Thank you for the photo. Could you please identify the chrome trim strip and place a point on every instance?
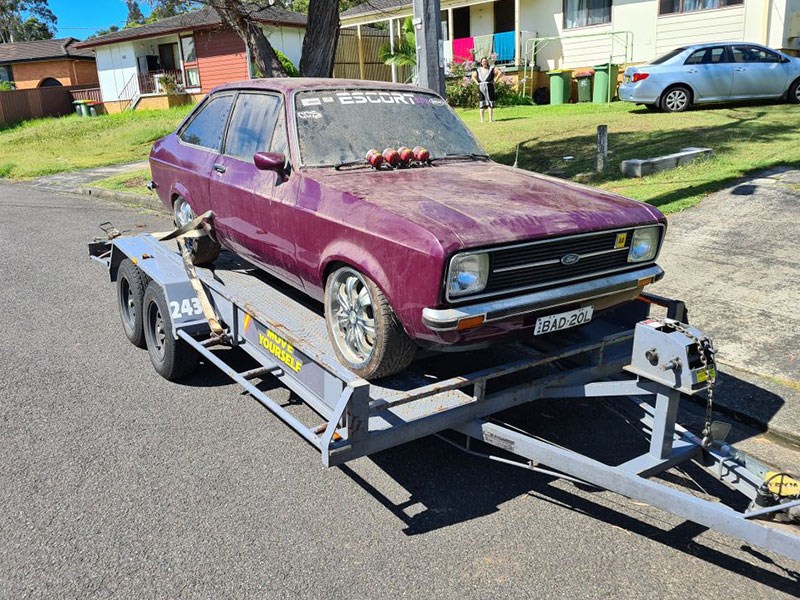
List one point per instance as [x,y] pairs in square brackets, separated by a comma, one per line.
[556,261]
[447,319]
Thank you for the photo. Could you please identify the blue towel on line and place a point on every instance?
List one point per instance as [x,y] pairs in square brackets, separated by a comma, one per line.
[504,45]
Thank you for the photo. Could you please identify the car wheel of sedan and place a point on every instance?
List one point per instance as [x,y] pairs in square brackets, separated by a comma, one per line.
[364,331]
[204,250]
[676,99]
[794,92]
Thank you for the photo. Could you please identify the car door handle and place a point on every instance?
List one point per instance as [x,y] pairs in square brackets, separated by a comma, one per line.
[691,70]
[740,69]
[220,168]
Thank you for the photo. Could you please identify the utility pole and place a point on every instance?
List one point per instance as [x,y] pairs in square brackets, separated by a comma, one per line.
[428,31]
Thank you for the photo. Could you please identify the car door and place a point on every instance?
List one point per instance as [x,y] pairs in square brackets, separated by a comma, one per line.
[710,73]
[757,72]
[250,206]
[200,142]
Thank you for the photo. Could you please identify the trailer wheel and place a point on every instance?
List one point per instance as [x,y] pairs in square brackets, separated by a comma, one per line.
[173,359]
[204,250]
[130,294]
[364,331]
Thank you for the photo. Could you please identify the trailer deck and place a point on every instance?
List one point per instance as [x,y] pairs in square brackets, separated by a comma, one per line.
[622,353]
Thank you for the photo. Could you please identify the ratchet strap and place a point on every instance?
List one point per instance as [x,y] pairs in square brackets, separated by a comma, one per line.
[196,228]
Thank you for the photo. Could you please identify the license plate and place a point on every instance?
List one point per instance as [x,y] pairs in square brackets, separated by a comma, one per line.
[565,320]
[627,78]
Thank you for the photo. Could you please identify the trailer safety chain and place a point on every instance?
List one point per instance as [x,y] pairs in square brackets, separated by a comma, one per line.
[705,348]
[196,228]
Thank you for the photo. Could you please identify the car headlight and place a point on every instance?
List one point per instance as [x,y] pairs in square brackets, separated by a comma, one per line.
[644,244]
[467,274]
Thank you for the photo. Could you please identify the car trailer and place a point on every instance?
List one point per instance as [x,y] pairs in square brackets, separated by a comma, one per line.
[642,361]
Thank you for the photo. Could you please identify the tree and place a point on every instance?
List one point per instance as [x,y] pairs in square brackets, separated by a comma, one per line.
[322,35]
[11,17]
[32,29]
[168,8]
[405,49]
[135,16]
[101,32]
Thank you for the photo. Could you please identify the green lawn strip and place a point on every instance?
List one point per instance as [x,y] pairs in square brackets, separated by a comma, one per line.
[134,182]
[53,145]
[744,138]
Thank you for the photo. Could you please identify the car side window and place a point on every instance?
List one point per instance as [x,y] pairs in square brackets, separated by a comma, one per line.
[208,126]
[753,54]
[707,56]
[253,125]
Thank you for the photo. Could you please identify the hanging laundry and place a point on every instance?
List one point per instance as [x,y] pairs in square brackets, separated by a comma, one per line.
[504,46]
[462,49]
[483,47]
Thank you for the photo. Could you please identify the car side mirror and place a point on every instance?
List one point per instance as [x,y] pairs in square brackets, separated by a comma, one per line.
[270,161]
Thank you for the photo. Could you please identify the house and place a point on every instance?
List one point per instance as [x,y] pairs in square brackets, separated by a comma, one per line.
[575,33]
[46,63]
[187,55]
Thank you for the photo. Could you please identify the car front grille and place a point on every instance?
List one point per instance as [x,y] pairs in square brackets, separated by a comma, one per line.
[539,265]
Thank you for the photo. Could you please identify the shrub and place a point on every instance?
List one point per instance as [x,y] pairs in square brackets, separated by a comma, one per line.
[463,92]
[288,65]
[7,86]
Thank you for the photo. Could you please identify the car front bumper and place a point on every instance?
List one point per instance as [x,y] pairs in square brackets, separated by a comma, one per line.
[451,319]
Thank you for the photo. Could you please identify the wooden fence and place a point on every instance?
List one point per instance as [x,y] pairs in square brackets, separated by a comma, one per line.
[347,63]
[21,105]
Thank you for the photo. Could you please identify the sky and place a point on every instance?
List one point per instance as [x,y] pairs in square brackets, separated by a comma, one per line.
[81,18]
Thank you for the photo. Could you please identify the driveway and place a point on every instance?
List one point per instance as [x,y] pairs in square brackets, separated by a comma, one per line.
[735,260]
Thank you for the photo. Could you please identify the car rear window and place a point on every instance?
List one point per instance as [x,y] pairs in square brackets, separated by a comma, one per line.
[339,125]
[666,57]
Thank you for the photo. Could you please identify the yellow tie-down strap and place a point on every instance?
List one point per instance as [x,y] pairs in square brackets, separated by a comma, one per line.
[781,484]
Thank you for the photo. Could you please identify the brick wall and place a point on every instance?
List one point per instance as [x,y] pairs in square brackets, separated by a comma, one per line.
[68,72]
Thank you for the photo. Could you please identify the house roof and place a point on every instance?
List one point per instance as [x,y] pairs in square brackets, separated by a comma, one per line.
[196,19]
[374,6]
[61,48]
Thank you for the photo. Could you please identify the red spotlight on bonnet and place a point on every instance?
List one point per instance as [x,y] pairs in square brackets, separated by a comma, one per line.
[391,156]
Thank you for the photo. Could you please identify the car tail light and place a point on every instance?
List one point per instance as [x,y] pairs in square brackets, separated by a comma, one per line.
[640,76]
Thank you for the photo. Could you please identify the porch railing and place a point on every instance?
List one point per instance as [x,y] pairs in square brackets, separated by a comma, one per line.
[152,82]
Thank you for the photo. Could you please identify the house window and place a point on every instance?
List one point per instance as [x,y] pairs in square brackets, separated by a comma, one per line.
[581,13]
[669,7]
[191,70]
[6,74]
[187,46]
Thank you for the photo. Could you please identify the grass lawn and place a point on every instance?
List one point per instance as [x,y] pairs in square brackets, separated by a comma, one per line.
[744,138]
[54,145]
[133,181]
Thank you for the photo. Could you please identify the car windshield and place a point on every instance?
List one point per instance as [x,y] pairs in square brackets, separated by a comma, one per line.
[667,56]
[340,126]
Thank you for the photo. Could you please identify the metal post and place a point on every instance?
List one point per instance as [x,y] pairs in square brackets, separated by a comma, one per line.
[391,49]
[430,70]
[602,147]
[361,70]
[666,413]
[517,48]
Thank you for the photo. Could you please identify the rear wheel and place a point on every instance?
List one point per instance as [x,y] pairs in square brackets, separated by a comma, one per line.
[204,250]
[676,99]
[794,92]
[130,294]
[172,359]
[364,331]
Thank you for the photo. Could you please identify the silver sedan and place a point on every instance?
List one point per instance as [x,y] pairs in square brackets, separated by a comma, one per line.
[716,72]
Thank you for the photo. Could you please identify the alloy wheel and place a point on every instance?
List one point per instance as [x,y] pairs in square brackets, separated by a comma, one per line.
[353,323]
[676,100]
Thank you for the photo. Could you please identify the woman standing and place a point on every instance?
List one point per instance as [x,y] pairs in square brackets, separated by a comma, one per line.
[486,76]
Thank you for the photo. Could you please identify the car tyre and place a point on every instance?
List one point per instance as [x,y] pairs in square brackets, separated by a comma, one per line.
[793,95]
[172,358]
[203,250]
[364,331]
[676,99]
[131,283]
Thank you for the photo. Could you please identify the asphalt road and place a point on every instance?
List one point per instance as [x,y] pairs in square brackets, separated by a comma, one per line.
[117,483]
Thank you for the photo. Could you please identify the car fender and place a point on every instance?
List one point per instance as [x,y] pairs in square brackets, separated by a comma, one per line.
[178,189]
[358,257]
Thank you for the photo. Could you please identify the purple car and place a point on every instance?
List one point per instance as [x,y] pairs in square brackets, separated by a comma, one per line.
[453,250]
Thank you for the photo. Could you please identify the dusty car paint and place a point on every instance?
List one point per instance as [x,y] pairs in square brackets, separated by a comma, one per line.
[398,227]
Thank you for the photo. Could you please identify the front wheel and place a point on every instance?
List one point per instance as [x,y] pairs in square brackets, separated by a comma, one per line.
[203,250]
[676,99]
[172,358]
[364,331]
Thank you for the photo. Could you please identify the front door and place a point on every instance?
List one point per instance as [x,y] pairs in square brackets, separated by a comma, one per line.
[250,206]
[710,73]
[166,55]
[757,72]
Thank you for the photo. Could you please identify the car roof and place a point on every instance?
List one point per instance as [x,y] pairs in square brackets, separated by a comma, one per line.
[290,84]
